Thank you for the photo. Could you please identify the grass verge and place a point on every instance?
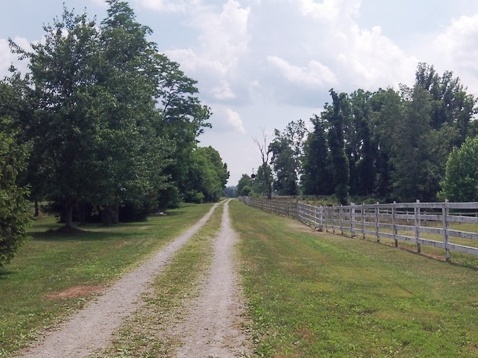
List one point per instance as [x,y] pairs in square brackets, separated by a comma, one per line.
[55,274]
[319,295]
[148,332]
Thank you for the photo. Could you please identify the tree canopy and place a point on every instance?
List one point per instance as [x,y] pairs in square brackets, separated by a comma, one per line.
[111,121]
[14,207]
[461,176]
[389,144]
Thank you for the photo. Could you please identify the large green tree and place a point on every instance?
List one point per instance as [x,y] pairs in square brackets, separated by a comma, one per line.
[183,119]
[113,122]
[64,125]
[284,166]
[316,167]
[336,114]
[461,178]
[132,151]
[14,207]
[286,160]
[207,176]
[244,186]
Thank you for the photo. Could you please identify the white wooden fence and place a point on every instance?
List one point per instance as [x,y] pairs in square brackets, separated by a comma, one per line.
[418,223]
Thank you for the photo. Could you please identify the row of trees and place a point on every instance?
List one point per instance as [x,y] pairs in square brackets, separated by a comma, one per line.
[390,144]
[103,121]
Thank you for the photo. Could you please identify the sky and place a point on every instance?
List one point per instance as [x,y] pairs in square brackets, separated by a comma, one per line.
[261,64]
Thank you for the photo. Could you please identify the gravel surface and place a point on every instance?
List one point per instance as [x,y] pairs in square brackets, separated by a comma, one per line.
[214,324]
[91,329]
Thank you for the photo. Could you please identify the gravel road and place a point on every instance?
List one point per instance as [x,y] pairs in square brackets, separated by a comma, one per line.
[212,327]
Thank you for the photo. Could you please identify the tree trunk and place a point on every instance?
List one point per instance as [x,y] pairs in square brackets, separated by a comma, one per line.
[37,210]
[69,214]
[110,215]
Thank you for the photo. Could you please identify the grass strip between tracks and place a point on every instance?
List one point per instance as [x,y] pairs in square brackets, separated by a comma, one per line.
[320,295]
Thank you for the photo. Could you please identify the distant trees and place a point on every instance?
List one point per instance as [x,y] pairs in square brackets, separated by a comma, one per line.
[111,121]
[390,144]
[244,186]
[207,176]
[287,152]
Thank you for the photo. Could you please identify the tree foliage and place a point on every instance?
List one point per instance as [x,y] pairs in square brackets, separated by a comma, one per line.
[14,213]
[461,177]
[390,144]
[113,123]
[287,153]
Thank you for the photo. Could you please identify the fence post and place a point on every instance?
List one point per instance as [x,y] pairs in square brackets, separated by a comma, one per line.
[321,218]
[363,220]
[377,221]
[352,220]
[445,213]
[394,223]
[341,215]
[333,219]
[326,217]
[417,226]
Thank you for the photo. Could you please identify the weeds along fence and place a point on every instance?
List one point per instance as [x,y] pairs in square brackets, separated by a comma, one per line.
[446,225]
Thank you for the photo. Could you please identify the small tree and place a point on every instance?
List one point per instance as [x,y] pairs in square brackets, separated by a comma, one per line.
[14,216]
[461,176]
[264,172]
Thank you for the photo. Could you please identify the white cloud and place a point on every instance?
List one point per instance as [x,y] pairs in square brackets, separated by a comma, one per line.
[456,49]
[315,74]
[164,5]
[368,59]
[328,9]
[226,120]
[223,91]
[223,37]
[101,3]
[222,43]
[234,120]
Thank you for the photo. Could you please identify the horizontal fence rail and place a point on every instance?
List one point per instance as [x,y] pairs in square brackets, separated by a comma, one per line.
[422,224]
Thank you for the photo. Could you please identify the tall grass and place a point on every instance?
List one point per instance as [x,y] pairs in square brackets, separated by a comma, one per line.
[319,295]
[50,264]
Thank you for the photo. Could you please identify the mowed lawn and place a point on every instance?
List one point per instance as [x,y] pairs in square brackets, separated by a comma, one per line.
[55,274]
[320,295]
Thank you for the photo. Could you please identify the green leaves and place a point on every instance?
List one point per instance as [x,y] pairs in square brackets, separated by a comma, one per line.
[14,216]
[461,178]
[207,176]
[107,114]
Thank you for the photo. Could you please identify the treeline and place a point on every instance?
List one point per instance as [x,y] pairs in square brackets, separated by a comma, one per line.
[389,144]
[104,124]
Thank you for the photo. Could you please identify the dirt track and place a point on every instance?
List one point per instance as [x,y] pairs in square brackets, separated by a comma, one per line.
[212,327]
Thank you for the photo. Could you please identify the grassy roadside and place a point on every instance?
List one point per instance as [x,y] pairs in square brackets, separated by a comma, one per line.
[319,295]
[54,274]
[147,332]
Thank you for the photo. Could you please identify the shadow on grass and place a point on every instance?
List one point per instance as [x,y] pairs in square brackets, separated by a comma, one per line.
[459,262]
[174,212]
[4,273]
[81,235]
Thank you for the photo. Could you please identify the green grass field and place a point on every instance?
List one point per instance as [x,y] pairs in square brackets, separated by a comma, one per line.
[321,295]
[309,294]
[54,274]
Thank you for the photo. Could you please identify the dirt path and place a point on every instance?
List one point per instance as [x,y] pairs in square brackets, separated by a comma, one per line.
[213,326]
[91,328]
[213,323]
